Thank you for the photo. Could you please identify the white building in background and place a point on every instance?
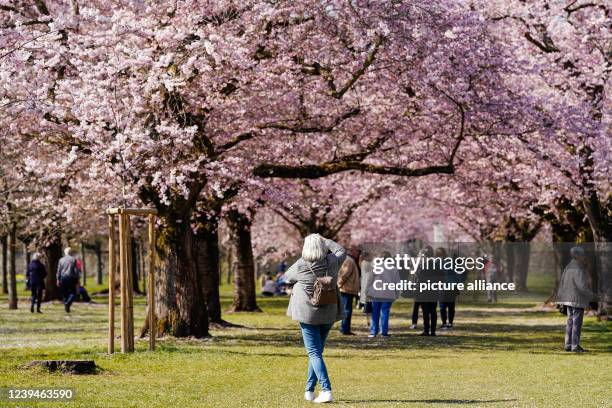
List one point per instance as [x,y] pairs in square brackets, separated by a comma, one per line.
[439,235]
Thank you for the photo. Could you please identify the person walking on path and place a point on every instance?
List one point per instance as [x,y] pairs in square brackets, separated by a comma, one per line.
[415,314]
[448,297]
[490,275]
[575,294]
[348,283]
[36,275]
[68,277]
[320,257]
[382,300]
[428,298]
[366,276]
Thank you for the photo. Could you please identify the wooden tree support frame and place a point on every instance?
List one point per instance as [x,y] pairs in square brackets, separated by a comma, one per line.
[126,285]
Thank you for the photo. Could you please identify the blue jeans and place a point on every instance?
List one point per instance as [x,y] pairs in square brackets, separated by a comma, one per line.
[347,304]
[380,317]
[573,327]
[315,336]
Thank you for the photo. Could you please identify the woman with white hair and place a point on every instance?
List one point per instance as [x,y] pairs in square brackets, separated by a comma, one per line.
[36,275]
[320,257]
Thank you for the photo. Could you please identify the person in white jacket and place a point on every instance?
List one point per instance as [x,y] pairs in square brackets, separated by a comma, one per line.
[382,299]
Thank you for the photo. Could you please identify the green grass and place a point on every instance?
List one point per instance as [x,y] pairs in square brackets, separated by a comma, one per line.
[503,355]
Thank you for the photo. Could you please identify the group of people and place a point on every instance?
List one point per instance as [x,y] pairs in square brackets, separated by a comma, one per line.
[355,284]
[68,279]
[323,259]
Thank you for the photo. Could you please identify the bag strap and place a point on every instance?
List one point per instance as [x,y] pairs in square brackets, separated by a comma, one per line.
[315,275]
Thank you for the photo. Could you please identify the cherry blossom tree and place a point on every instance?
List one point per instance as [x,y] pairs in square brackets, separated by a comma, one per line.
[205,110]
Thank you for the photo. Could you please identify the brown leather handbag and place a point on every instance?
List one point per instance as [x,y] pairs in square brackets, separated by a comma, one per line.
[324,292]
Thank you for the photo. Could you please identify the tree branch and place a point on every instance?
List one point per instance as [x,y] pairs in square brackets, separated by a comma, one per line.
[312,171]
[357,74]
[313,129]
[235,141]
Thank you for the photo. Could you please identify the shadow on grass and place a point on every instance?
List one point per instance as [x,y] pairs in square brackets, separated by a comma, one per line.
[425,401]
[547,339]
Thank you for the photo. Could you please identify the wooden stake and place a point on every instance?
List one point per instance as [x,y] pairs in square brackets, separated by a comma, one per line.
[123,283]
[112,266]
[130,284]
[151,284]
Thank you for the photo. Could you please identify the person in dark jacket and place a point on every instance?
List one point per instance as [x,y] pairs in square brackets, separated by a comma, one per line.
[428,298]
[448,297]
[68,277]
[36,275]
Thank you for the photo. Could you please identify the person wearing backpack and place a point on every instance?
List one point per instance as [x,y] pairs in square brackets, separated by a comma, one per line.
[68,277]
[315,304]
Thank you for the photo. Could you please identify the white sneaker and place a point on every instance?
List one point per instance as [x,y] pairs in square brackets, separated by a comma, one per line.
[413,326]
[324,396]
[309,395]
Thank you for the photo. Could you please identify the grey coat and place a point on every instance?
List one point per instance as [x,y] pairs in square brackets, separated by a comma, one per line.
[67,267]
[574,288]
[300,308]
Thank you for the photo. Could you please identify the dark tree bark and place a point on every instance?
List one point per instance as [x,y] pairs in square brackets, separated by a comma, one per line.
[522,256]
[28,256]
[99,268]
[601,227]
[12,273]
[510,261]
[519,234]
[244,270]
[229,257]
[208,264]
[180,307]
[83,264]
[135,265]
[4,241]
[53,253]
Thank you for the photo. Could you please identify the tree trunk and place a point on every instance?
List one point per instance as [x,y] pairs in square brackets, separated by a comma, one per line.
[601,227]
[208,263]
[522,255]
[179,305]
[510,261]
[12,273]
[4,242]
[135,265]
[98,249]
[230,263]
[53,253]
[27,256]
[83,264]
[244,270]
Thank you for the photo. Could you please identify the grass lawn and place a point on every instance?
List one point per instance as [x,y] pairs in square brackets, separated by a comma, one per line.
[502,355]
